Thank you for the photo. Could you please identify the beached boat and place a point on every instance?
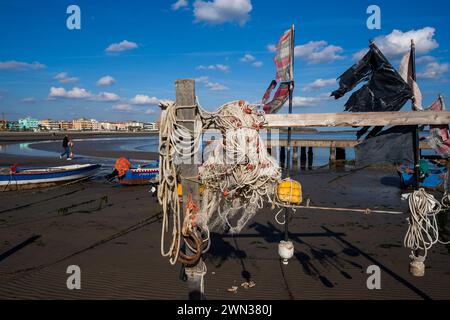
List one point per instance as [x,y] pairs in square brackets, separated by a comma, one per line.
[144,175]
[432,175]
[28,178]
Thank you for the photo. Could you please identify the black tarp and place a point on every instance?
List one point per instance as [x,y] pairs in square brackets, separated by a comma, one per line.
[394,145]
[385,89]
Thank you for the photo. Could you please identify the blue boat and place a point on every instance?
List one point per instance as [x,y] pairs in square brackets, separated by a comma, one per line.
[144,175]
[28,178]
[432,176]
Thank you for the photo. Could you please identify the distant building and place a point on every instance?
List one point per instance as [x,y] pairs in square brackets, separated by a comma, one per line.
[28,124]
[96,126]
[134,126]
[3,124]
[82,125]
[151,126]
[48,124]
[108,126]
[12,125]
[65,125]
[121,126]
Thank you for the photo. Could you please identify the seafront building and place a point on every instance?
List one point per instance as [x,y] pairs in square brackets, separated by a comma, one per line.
[49,124]
[28,124]
[82,124]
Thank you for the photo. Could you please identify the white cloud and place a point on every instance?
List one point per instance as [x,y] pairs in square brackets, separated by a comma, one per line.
[142,99]
[28,100]
[63,77]
[307,101]
[121,46]
[250,58]
[179,4]
[149,111]
[221,11]
[220,67]
[105,81]
[398,43]
[271,47]
[319,83]
[123,107]
[75,93]
[214,86]
[80,93]
[318,52]
[425,59]
[247,58]
[433,70]
[20,66]
[106,97]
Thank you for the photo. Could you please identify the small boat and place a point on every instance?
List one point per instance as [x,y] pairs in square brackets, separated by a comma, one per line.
[432,176]
[144,175]
[16,178]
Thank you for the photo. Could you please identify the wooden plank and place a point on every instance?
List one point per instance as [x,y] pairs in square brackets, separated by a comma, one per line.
[316,143]
[361,119]
[185,97]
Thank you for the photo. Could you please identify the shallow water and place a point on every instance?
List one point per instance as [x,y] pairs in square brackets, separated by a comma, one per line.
[151,142]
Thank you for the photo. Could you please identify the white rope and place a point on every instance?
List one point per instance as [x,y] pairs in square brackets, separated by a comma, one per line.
[239,174]
[423,231]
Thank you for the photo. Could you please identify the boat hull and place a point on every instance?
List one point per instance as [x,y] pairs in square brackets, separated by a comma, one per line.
[434,180]
[143,176]
[46,177]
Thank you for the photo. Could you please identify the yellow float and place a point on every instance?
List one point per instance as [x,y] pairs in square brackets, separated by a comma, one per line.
[289,192]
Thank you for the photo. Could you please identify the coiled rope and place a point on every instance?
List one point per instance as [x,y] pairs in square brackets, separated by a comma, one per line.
[423,231]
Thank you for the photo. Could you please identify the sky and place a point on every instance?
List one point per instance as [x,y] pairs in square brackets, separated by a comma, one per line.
[128,54]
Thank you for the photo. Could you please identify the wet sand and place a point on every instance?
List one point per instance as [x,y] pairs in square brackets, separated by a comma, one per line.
[95,148]
[113,234]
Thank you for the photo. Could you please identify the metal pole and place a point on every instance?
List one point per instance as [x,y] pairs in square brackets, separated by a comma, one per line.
[288,166]
[416,146]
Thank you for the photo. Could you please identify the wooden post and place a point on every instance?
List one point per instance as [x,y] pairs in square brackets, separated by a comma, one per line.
[295,156]
[282,156]
[186,102]
[332,155]
[310,157]
[340,154]
[303,157]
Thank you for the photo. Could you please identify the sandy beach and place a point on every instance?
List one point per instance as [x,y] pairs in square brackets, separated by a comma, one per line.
[113,234]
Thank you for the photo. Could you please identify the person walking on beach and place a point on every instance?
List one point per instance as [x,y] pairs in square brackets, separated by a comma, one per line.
[65,145]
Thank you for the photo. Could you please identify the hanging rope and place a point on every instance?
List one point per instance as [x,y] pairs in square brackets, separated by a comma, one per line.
[238,176]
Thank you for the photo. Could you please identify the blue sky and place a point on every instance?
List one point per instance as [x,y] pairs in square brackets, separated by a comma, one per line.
[128,54]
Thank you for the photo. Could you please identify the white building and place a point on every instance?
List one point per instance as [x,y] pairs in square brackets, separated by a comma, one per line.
[96,126]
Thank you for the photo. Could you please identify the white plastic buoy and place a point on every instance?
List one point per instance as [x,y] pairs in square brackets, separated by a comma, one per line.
[286,251]
[417,267]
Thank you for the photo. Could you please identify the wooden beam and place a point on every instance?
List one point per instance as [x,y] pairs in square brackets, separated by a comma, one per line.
[361,119]
[187,111]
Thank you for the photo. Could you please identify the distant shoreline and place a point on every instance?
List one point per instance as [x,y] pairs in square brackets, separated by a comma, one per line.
[12,137]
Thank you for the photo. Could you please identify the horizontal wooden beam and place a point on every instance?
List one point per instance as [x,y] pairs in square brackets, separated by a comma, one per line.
[323,143]
[362,119]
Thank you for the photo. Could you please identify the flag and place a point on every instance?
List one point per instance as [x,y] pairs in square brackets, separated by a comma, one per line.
[439,138]
[394,145]
[279,98]
[284,56]
[285,74]
[406,71]
[385,89]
